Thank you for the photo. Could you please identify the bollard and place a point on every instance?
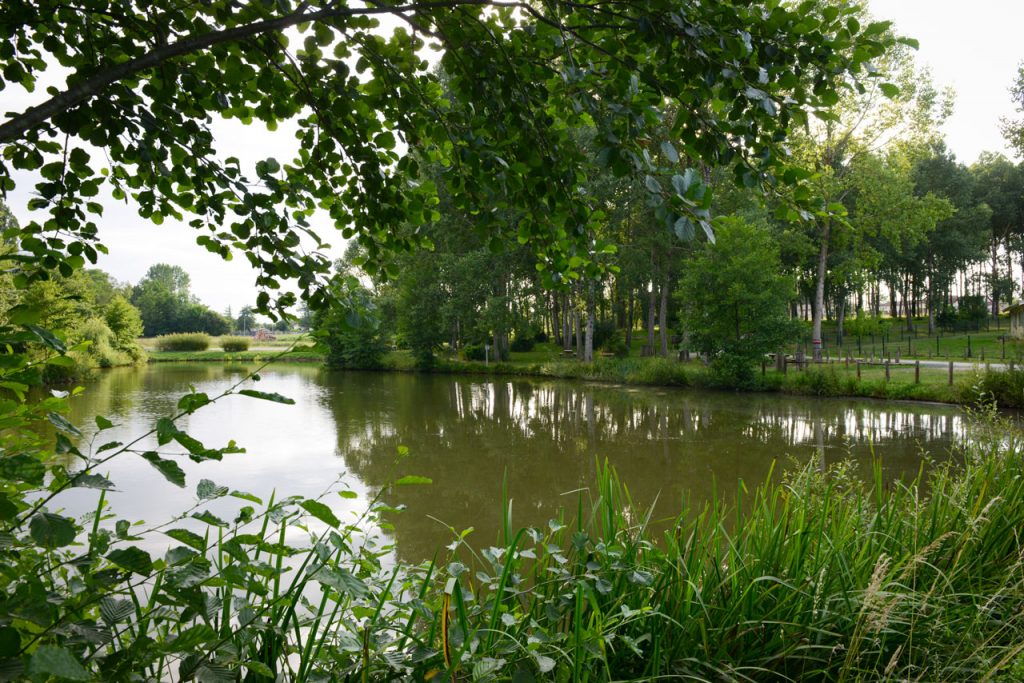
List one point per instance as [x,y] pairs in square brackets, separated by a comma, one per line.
[917,372]
[950,373]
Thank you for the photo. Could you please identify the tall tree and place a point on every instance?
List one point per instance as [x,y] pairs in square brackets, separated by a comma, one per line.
[905,111]
[145,82]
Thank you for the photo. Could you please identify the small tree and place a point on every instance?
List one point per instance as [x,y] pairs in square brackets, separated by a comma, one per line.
[733,297]
[350,328]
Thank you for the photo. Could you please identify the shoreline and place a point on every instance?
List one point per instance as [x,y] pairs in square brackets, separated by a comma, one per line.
[832,381]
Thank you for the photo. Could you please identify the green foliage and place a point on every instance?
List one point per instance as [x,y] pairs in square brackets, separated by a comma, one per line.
[532,79]
[166,305]
[474,352]
[102,350]
[733,297]
[350,328]
[615,344]
[232,344]
[194,341]
[522,344]
[1004,388]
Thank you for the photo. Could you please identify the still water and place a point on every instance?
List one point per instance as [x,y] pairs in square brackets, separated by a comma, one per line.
[468,433]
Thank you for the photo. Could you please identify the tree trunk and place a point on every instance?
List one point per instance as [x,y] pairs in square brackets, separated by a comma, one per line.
[819,292]
[652,305]
[663,318]
[578,319]
[629,319]
[566,324]
[588,347]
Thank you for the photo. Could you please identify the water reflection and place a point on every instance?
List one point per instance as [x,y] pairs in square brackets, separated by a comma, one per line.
[467,434]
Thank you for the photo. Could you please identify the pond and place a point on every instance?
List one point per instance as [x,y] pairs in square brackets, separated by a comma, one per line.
[545,439]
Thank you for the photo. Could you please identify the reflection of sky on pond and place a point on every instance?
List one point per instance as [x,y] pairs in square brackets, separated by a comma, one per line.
[468,434]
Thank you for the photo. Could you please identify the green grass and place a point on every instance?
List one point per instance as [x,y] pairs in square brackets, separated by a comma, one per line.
[825,579]
[308,355]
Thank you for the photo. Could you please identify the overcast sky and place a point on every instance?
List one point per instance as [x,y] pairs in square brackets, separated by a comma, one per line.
[974,47]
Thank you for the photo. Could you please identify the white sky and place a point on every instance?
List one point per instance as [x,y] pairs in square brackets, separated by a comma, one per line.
[973,47]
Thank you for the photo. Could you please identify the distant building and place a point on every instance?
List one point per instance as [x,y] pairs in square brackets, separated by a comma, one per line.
[1016,312]
[263,335]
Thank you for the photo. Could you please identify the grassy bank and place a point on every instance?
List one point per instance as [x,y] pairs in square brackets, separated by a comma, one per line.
[298,355]
[835,380]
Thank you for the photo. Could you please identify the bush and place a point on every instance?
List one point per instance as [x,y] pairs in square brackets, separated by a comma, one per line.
[102,352]
[473,352]
[523,343]
[235,344]
[185,341]
[616,344]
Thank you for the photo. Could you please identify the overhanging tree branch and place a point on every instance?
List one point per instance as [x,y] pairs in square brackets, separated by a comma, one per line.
[76,94]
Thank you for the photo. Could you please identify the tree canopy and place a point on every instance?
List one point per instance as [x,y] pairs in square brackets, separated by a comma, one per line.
[144,82]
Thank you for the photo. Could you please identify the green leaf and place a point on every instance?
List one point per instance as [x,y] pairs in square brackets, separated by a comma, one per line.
[890,90]
[113,610]
[93,481]
[24,314]
[165,430]
[103,423]
[189,538]
[341,580]
[413,480]
[321,512]
[133,559]
[670,152]
[171,470]
[652,184]
[47,338]
[190,638]
[349,495]
[50,660]
[10,642]
[51,531]
[61,423]
[247,496]
[208,490]
[209,518]
[267,396]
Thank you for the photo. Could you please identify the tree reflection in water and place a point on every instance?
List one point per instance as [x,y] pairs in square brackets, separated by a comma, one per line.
[467,433]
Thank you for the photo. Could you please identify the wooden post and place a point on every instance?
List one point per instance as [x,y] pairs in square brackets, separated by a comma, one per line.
[858,370]
[785,365]
[897,355]
[950,373]
[764,365]
[887,370]
[917,372]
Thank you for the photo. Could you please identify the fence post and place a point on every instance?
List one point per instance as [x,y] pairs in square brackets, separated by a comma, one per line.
[917,372]
[950,373]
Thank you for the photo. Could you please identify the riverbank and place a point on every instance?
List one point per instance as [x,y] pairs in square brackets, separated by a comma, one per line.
[905,381]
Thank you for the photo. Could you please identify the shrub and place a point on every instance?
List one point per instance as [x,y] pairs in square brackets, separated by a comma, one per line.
[102,352]
[523,343]
[615,344]
[474,352]
[235,344]
[186,341]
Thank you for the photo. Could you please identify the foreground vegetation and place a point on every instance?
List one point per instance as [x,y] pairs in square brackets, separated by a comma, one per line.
[822,577]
